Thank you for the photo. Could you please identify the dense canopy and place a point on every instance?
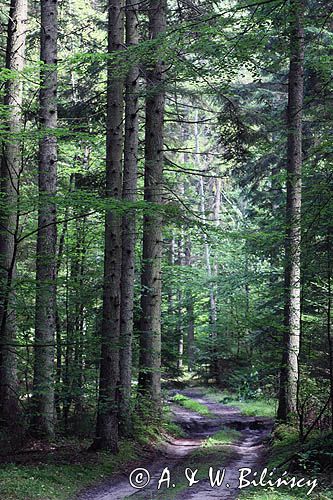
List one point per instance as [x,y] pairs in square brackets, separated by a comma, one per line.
[165,220]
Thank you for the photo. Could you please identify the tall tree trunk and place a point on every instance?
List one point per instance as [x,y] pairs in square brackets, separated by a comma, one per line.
[212,298]
[59,347]
[42,423]
[180,332]
[188,262]
[74,310]
[9,218]
[58,373]
[150,338]
[216,215]
[128,223]
[190,311]
[78,379]
[329,316]
[171,246]
[107,415]
[275,196]
[292,312]
[66,372]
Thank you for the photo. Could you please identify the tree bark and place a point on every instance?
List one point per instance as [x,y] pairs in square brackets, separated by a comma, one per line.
[188,262]
[72,373]
[59,347]
[150,338]
[42,422]
[107,414]
[292,310]
[78,378]
[212,298]
[129,223]
[180,327]
[190,312]
[9,218]
[329,316]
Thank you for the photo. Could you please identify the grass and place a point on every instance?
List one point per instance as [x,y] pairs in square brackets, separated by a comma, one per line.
[249,408]
[192,405]
[59,474]
[52,481]
[255,408]
[173,429]
[223,436]
[269,494]
[155,432]
[285,444]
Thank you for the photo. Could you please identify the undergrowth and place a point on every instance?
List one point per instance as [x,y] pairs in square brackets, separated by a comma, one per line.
[55,475]
[310,460]
[258,407]
[191,404]
[60,481]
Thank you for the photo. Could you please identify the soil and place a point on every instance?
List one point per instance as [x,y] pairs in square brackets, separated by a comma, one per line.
[248,451]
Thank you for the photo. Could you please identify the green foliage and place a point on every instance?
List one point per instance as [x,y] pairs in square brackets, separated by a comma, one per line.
[308,460]
[147,428]
[252,408]
[228,64]
[223,436]
[316,455]
[268,494]
[60,481]
[192,405]
[173,429]
[257,408]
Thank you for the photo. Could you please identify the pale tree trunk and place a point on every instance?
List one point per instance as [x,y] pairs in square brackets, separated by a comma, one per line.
[9,218]
[190,311]
[107,415]
[42,423]
[329,316]
[128,222]
[188,262]
[171,244]
[292,319]
[217,369]
[216,215]
[180,333]
[212,298]
[217,202]
[66,393]
[150,338]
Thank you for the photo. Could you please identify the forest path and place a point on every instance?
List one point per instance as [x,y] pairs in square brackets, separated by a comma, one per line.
[177,455]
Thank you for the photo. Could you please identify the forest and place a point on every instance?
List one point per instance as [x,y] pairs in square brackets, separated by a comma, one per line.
[166,244]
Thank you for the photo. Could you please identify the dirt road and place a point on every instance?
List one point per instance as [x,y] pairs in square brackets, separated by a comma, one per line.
[177,456]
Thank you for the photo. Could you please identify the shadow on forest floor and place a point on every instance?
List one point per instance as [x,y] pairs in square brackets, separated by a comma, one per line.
[220,437]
